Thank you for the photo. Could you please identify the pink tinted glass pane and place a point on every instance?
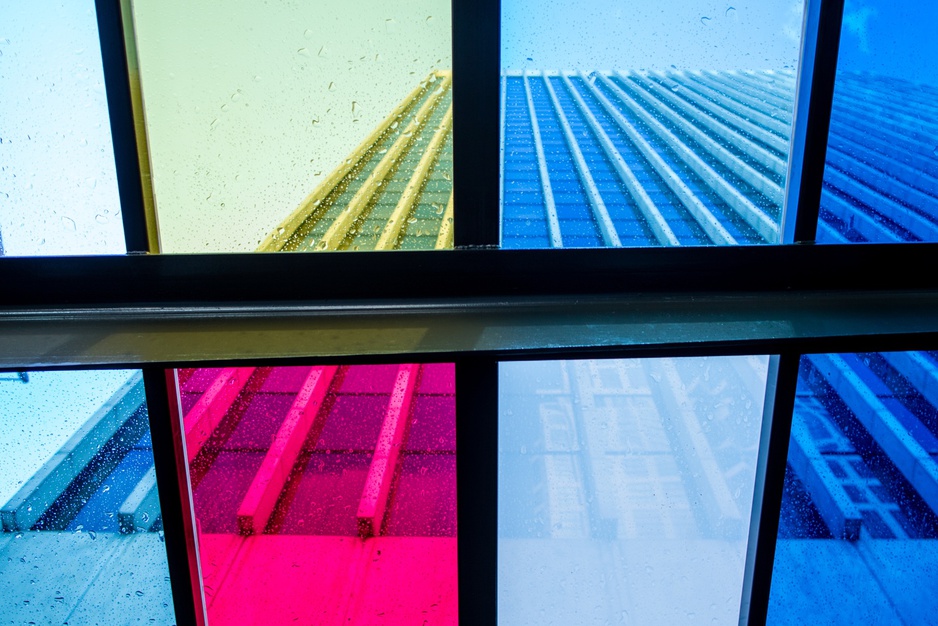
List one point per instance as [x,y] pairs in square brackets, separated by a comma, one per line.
[324,494]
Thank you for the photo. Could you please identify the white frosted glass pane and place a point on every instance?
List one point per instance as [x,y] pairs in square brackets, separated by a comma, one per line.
[39,416]
[625,489]
[58,187]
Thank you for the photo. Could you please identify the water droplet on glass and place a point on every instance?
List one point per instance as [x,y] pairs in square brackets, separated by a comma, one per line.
[105,489]
[69,223]
[100,219]
[224,107]
[323,52]
[315,121]
[93,535]
[704,20]
[412,220]
[447,176]
[303,52]
[308,33]
[213,124]
[257,78]
[139,593]
[331,86]
[730,11]
[935,151]
[236,96]
[145,518]
[429,18]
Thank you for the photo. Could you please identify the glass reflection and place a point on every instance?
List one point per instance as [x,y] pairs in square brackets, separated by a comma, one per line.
[673,127]
[881,171]
[313,485]
[625,488]
[82,539]
[298,126]
[856,535]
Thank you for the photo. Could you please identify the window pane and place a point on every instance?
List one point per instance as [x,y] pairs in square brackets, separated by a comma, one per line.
[298,126]
[58,187]
[625,489]
[881,172]
[856,539]
[313,485]
[82,538]
[673,130]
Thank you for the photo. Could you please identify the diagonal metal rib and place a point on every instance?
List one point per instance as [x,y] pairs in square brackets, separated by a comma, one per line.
[600,214]
[392,231]
[708,222]
[653,217]
[550,208]
[339,229]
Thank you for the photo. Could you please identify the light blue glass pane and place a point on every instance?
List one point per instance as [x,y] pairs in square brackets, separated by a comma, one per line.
[658,125]
[58,187]
[858,528]
[81,538]
[625,489]
[881,175]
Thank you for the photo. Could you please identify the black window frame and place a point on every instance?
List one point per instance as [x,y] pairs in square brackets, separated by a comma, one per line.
[470,305]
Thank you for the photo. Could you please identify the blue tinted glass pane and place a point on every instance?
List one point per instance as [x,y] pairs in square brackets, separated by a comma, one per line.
[58,187]
[672,129]
[856,541]
[81,538]
[625,489]
[881,174]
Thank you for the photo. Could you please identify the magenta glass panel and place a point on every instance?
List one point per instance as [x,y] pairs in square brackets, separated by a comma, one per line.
[324,494]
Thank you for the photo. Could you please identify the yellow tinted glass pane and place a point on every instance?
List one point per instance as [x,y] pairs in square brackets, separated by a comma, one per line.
[297,126]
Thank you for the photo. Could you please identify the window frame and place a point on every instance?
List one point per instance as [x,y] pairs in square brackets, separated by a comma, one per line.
[115,311]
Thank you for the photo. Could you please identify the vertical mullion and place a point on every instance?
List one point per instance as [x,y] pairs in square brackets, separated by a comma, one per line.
[172,480]
[770,479]
[477,487]
[814,98]
[114,56]
[476,143]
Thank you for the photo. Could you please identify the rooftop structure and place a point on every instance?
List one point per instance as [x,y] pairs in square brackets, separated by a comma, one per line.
[395,191]
[589,160]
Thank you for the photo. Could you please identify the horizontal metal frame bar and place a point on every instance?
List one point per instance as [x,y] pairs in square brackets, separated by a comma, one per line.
[328,280]
[515,328]
[509,304]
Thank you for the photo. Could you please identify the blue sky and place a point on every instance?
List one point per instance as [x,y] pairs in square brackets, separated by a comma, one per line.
[619,34]
[878,36]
